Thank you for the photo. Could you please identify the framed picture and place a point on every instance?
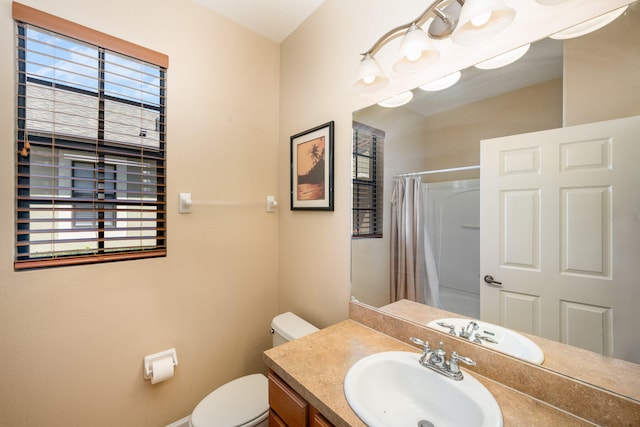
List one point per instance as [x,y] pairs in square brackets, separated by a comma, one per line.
[312,169]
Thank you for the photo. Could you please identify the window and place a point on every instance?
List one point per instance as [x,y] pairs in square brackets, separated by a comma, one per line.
[84,187]
[367,177]
[90,145]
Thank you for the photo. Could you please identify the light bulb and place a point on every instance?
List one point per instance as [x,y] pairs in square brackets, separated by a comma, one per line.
[416,52]
[413,54]
[480,20]
[369,76]
[414,44]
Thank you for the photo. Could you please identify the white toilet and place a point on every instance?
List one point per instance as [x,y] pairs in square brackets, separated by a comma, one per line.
[244,402]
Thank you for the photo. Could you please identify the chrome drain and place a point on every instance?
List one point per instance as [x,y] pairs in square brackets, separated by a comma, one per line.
[425,423]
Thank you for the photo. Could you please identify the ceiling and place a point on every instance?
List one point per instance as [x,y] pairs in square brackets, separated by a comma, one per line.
[274,19]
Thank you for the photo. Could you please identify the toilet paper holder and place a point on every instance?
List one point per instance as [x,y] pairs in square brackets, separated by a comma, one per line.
[148,361]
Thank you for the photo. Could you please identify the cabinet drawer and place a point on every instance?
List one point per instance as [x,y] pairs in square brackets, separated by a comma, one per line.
[275,421]
[316,419]
[285,402]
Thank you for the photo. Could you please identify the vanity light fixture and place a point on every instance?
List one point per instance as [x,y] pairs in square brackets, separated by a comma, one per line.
[465,21]
[370,76]
[397,100]
[442,83]
[416,51]
[504,59]
[481,20]
[589,26]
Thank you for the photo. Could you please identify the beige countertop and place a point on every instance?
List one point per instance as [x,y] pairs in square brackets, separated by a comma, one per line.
[316,365]
[605,372]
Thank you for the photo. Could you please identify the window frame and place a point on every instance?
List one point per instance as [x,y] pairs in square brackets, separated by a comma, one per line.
[105,44]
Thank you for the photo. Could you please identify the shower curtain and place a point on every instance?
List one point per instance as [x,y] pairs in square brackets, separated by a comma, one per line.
[409,275]
[433,281]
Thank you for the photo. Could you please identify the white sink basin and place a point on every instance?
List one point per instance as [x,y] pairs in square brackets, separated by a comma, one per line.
[507,341]
[392,389]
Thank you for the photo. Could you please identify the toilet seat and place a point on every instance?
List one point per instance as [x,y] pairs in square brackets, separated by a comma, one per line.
[234,404]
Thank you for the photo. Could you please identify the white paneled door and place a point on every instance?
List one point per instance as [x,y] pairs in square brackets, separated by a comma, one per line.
[560,232]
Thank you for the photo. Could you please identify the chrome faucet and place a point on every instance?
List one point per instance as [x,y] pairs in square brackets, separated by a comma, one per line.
[436,360]
[469,330]
[468,333]
[452,328]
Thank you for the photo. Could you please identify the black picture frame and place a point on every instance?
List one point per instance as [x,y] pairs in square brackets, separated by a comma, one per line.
[311,174]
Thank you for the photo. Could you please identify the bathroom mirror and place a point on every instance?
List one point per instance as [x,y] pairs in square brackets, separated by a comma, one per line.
[460,117]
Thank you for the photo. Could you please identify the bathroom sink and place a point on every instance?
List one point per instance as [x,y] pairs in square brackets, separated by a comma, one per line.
[392,389]
[495,337]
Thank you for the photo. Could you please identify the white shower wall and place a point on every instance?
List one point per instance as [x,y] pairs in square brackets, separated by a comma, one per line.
[452,219]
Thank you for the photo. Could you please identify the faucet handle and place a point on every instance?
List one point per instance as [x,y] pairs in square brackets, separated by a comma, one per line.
[453,363]
[452,328]
[424,344]
[426,350]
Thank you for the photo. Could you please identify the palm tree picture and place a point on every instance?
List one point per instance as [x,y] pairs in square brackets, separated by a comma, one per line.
[311,169]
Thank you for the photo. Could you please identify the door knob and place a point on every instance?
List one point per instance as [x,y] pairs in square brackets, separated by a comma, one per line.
[488,279]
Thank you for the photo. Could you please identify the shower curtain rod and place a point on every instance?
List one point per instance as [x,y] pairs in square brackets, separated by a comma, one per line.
[462,168]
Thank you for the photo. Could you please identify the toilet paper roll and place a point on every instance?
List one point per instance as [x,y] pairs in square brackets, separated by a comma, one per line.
[161,369]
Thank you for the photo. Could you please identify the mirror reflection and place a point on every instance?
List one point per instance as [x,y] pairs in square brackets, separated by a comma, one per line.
[436,137]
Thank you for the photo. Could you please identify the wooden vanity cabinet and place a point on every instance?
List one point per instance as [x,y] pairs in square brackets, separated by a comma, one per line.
[316,419]
[274,420]
[288,409]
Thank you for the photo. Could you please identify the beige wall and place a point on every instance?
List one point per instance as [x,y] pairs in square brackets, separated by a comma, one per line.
[314,247]
[602,82]
[72,339]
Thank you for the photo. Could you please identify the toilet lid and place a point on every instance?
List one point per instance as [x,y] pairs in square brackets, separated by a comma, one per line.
[233,404]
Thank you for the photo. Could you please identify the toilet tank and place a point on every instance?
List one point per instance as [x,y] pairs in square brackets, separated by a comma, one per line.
[287,326]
